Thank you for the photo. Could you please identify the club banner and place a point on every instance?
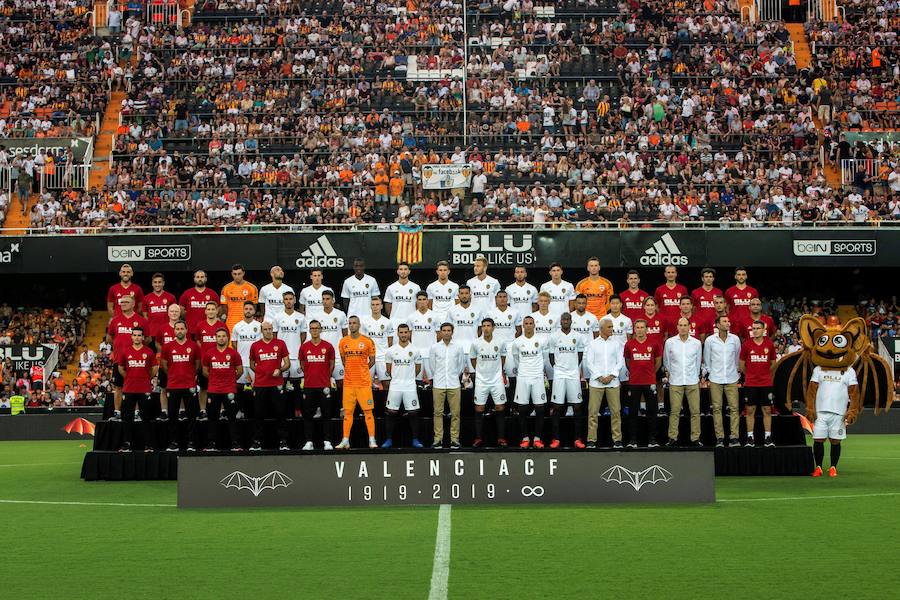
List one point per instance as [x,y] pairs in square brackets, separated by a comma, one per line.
[77,147]
[503,248]
[446,177]
[26,356]
[376,479]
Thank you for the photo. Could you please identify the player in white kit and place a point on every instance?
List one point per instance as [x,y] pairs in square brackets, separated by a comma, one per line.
[487,356]
[828,396]
[271,296]
[311,296]
[531,355]
[380,330]
[290,326]
[545,323]
[404,364]
[334,327]
[561,292]
[522,295]
[400,296]
[566,351]
[466,321]
[358,290]
[423,329]
[243,334]
[442,293]
[484,287]
[507,325]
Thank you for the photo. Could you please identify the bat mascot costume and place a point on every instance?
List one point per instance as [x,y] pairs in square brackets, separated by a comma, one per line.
[834,347]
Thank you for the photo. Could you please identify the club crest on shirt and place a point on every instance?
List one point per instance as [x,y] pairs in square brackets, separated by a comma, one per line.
[496,349]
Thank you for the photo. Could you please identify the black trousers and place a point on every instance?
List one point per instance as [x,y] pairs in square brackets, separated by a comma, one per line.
[634,394]
[191,408]
[313,398]
[269,402]
[222,405]
[149,409]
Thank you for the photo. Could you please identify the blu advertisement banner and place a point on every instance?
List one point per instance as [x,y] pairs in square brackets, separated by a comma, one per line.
[375,479]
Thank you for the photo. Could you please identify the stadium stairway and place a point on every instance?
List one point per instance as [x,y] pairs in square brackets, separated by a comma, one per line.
[96,329]
[103,143]
[16,222]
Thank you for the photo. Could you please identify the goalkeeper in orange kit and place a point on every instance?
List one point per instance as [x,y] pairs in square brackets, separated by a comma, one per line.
[358,355]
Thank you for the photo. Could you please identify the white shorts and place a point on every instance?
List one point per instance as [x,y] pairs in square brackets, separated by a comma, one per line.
[497,392]
[295,372]
[548,370]
[530,391]
[379,370]
[338,372]
[829,425]
[566,390]
[409,400]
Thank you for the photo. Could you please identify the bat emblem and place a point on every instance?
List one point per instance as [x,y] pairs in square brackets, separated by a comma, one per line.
[636,479]
[256,485]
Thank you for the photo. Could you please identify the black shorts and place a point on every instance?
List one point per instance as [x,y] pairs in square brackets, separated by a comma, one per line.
[163,379]
[118,380]
[202,381]
[758,396]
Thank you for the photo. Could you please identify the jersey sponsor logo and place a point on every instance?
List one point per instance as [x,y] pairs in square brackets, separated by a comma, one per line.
[499,249]
[267,356]
[320,254]
[218,364]
[642,356]
[663,252]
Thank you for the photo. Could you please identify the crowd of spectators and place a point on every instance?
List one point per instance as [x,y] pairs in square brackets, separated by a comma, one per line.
[580,111]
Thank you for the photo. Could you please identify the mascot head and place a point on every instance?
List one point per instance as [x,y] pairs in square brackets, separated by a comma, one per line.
[834,346]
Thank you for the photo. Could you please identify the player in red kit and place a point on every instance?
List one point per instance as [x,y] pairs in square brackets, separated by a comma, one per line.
[642,357]
[156,308]
[656,333]
[316,364]
[270,362]
[699,326]
[705,295]
[205,335]
[633,298]
[743,327]
[180,361]
[118,334]
[669,294]
[193,302]
[757,363]
[125,288]
[137,366]
[166,334]
[222,367]
[739,295]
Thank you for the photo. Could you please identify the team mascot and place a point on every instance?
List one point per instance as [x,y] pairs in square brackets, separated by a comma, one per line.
[834,349]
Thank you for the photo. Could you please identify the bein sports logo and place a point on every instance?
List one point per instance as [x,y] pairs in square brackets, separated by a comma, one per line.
[256,485]
[835,247]
[319,254]
[636,479]
[664,252]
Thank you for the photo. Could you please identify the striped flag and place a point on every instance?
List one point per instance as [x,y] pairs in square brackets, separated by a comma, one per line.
[409,244]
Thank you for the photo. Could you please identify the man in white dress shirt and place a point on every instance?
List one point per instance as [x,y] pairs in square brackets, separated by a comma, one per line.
[721,357]
[604,359]
[682,360]
[446,364]
[358,290]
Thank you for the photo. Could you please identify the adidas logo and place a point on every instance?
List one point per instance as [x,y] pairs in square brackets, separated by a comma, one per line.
[319,254]
[664,252]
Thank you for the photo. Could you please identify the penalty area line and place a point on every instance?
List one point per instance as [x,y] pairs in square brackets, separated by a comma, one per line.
[440,572]
[828,497]
[73,503]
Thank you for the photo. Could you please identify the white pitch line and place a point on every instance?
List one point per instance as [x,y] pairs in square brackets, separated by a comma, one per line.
[40,464]
[440,572]
[61,503]
[830,497]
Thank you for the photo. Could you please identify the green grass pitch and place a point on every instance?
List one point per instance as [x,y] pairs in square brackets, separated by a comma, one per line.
[764,538]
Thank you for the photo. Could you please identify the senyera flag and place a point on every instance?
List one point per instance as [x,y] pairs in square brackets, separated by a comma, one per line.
[409,244]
